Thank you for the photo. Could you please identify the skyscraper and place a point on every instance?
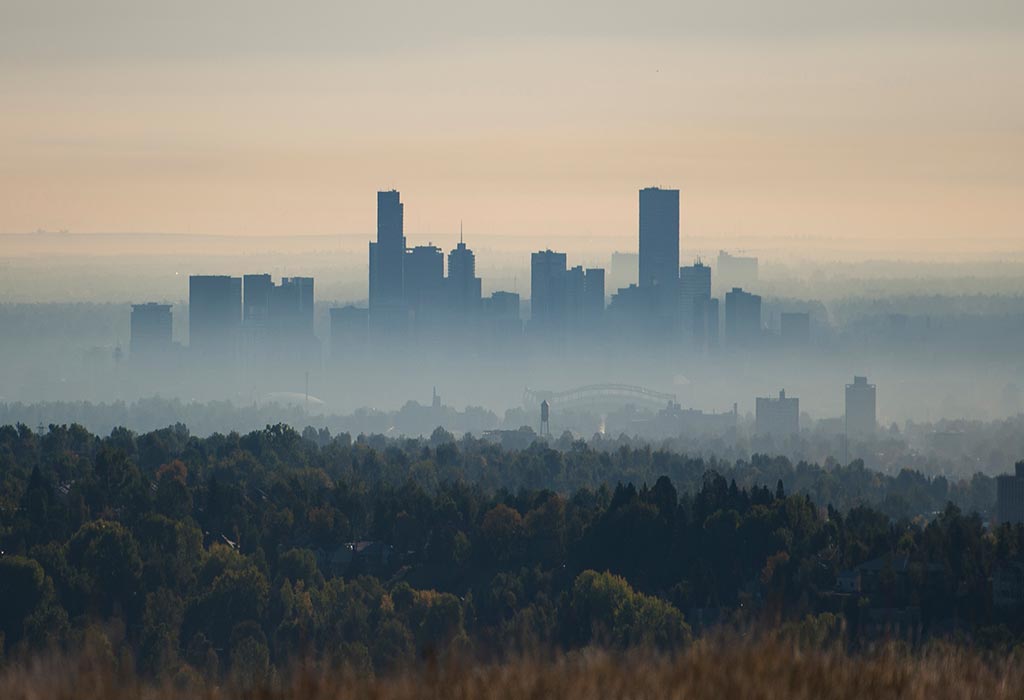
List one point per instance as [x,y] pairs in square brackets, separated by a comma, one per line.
[547,292]
[694,291]
[593,297]
[659,239]
[214,315]
[861,419]
[463,285]
[387,258]
[742,317]
[424,281]
[777,417]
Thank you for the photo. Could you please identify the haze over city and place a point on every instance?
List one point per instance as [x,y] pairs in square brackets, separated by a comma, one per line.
[528,349]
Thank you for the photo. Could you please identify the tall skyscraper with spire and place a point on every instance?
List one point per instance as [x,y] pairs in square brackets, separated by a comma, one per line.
[464,289]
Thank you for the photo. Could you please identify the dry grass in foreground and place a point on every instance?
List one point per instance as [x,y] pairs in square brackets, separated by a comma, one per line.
[706,670]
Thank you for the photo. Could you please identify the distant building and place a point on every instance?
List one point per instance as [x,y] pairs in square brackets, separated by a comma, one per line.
[634,313]
[547,292]
[349,332]
[778,417]
[387,264]
[694,294]
[736,270]
[860,408]
[214,315]
[256,291]
[423,280]
[1008,585]
[659,242]
[705,325]
[1010,496]
[593,296]
[501,315]
[584,298]
[151,330]
[463,285]
[624,270]
[742,317]
[795,329]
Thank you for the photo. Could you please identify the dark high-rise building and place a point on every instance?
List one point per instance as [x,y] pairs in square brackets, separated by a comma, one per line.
[290,310]
[861,419]
[547,292]
[795,328]
[705,323]
[349,333]
[742,317]
[501,315]
[1010,496]
[463,285]
[214,314]
[593,296]
[424,281]
[256,291]
[659,239]
[387,262]
[151,328]
[777,417]
[694,291]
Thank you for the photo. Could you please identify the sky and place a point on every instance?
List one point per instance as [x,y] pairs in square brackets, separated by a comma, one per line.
[894,127]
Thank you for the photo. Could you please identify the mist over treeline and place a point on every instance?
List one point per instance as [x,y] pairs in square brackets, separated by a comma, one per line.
[954,449]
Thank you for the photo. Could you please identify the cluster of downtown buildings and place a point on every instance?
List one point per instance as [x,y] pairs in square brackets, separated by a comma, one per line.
[414,299]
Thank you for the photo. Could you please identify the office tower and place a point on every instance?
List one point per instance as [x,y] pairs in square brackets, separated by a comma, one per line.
[861,419]
[777,417]
[624,270]
[214,315]
[742,318]
[463,285]
[1010,496]
[736,271]
[349,333]
[694,290]
[593,297]
[256,299]
[290,308]
[634,313]
[387,258]
[150,330]
[501,315]
[705,323]
[659,239]
[575,284]
[547,292]
[424,281]
[795,328]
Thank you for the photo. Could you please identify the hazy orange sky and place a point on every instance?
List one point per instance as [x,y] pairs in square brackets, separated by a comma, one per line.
[899,125]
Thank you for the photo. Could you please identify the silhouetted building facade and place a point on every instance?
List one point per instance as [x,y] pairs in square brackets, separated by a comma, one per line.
[694,293]
[424,283]
[1010,496]
[659,241]
[624,270]
[387,262]
[742,318]
[860,408]
[151,330]
[547,292]
[464,288]
[777,417]
[214,315]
